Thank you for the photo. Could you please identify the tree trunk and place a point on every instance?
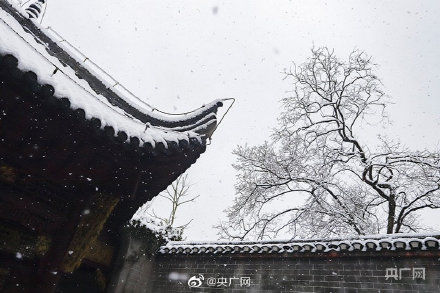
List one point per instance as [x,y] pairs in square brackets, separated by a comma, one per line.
[391,213]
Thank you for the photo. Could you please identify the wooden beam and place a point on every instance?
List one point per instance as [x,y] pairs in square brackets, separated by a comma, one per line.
[92,221]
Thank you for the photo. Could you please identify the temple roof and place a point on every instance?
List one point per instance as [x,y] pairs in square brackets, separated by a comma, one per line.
[390,242]
[57,64]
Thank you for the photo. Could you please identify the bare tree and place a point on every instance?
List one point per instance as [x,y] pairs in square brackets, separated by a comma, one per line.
[177,194]
[316,176]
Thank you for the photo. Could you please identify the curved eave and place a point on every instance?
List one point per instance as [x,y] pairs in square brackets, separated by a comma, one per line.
[28,80]
[76,86]
[43,136]
[187,122]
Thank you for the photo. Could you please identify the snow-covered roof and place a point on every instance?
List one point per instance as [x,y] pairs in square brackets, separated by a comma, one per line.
[355,244]
[56,63]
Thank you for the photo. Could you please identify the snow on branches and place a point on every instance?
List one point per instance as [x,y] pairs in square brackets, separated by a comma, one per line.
[316,176]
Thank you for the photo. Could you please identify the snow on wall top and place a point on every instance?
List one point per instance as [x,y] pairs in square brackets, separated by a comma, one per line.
[354,244]
[112,107]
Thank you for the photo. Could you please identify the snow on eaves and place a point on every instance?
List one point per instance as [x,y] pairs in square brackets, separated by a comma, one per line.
[33,56]
[109,82]
[349,244]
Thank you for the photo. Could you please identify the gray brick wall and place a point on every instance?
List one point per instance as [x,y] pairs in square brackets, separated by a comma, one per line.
[298,273]
[333,271]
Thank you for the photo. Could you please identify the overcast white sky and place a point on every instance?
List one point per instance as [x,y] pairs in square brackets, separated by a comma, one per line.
[178,55]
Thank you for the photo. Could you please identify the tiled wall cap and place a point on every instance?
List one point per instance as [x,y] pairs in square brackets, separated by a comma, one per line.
[332,246]
[296,247]
[431,244]
[371,245]
[287,247]
[415,244]
[265,249]
[307,247]
[228,249]
[399,245]
[385,244]
[320,247]
[344,246]
[357,246]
